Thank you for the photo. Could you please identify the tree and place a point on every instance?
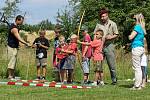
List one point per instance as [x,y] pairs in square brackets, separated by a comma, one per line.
[121,11]
[67,21]
[43,25]
[10,10]
[46,25]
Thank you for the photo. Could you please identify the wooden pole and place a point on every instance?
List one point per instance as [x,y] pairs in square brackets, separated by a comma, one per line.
[80,23]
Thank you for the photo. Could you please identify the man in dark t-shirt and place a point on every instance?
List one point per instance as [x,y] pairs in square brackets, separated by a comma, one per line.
[13,44]
[41,44]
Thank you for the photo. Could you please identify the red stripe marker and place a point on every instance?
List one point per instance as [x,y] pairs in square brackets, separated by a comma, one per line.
[45,85]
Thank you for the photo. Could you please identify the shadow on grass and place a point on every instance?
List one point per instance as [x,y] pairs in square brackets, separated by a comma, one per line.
[126,85]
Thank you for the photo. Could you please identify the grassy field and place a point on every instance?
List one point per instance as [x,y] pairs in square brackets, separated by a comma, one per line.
[108,92]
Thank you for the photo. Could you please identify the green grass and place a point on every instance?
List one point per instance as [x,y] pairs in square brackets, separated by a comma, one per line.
[26,58]
[107,92]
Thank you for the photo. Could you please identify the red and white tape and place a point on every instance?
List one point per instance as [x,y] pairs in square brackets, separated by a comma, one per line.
[45,85]
[31,81]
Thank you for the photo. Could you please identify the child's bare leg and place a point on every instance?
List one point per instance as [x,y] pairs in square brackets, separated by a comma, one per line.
[96,76]
[70,75]
[38,72]
[101,74]
[65,75]
[44,72]
[62,75]
[86,76]
[143,76]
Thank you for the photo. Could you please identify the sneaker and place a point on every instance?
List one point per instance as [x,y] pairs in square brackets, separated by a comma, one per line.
[143,85]
[98,82]
[94,84]
[65,82]
[85,82]
[135,88]
[11,78]
[43,79]
[102,83]
[113,83]
[38,78]
[69,82]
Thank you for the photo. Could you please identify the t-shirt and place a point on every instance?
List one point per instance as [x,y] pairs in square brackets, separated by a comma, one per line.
[13,42]
[72,46]
[87,38]
[58,52]
[138,40]
[144,60]
[56,42]
[97,46]
[39,50]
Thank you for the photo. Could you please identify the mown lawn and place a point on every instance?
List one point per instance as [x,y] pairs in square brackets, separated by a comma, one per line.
[108,92]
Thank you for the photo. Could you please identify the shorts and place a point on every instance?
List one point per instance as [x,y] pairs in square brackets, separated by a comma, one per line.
[69,62]
[98,66]
[86,65]
[12,57]
[41,62]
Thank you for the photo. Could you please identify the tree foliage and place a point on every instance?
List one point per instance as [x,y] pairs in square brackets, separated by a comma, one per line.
[10,11]
[43,25]
[11,8]
[120,11]
[67,21]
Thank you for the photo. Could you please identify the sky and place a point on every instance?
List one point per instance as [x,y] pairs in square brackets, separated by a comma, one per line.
[38,10]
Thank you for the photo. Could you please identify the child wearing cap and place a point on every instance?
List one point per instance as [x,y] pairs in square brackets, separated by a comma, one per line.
[97,45]
[70,59]
[86,55]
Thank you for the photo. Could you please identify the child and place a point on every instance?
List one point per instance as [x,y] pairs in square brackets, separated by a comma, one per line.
[61,56]
[144,62]
[86,55]
[70,59]
[41,44]
[97,45]
[56,44]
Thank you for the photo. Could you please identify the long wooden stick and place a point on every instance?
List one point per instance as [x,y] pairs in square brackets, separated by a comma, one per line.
[78,54]
[80,23]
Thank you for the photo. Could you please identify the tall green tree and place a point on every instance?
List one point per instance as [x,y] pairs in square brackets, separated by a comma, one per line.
[67,21]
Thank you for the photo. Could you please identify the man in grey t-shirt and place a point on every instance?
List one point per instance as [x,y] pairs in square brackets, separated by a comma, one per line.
[110,34]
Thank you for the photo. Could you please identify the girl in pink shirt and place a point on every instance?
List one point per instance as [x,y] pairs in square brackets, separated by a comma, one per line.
[61,56]
[69,60]
[97,45]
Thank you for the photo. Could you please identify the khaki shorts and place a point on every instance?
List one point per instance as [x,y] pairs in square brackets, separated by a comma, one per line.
[41,62]
[98,66]
[12,57]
